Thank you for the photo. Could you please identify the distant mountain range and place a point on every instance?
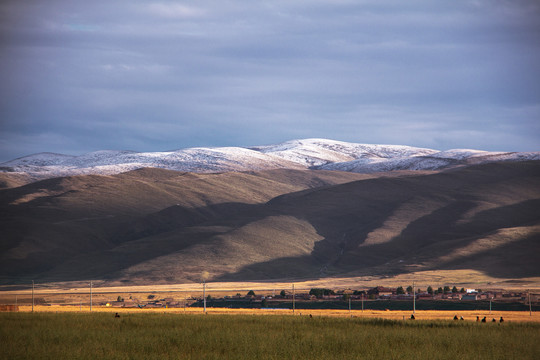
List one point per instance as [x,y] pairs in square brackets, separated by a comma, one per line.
[314,154]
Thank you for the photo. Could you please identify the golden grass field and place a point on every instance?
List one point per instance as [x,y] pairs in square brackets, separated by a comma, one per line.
[241,334]
[511,316]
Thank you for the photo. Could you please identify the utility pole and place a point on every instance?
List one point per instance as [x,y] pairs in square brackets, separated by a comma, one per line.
[90,296]
[204,296]
[414,298]
[293,305]
[33,296]
[490,299]
[530,306]
[204,275]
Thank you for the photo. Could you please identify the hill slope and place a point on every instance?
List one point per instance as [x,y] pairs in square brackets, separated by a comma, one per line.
[157,226]
[49,222]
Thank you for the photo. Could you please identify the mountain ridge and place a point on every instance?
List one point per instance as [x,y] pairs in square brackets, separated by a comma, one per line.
[314,154]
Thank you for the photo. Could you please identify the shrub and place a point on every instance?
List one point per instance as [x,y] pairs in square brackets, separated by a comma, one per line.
[320,292]
[446,289]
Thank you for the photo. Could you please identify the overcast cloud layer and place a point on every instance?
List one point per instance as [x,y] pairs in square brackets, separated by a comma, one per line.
[79,76]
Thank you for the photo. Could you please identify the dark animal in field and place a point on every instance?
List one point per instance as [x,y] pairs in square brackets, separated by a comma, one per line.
[412,317]
[501,319]
[116,315]
[484,319]
[455,317]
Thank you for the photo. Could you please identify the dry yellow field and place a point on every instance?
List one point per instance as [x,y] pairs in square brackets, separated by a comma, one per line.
[66,298]
[512,316]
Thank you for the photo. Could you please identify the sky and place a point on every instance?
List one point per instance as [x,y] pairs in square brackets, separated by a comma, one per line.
[80,76]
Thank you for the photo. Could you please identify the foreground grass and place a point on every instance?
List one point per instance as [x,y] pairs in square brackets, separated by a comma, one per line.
[172,336]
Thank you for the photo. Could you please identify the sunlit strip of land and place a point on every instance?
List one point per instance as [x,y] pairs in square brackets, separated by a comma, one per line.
[463,278]
[468,315]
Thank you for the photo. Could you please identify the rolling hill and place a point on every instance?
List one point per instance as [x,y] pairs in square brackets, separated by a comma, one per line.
[162,226]
[49,222]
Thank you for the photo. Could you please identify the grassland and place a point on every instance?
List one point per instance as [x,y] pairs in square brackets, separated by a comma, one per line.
[468,315]
[212,336]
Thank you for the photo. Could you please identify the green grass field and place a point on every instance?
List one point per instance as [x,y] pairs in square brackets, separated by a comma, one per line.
[173,336]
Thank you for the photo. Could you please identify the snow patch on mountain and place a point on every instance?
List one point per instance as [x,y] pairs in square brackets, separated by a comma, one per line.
[295,154]
[460,154]
[113,162]
[371,165]
[319,152]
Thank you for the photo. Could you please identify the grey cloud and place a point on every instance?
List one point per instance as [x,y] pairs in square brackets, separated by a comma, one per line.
[424,73]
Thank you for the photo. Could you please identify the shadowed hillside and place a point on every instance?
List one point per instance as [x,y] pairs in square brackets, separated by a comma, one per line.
[159,226]
[62,220]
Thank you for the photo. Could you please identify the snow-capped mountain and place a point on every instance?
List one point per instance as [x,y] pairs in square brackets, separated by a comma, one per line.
[296,154]
[319,152]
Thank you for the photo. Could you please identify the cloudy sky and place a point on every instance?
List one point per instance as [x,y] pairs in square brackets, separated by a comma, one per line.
[79,76]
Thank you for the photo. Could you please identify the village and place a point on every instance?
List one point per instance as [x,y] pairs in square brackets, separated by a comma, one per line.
[377,297]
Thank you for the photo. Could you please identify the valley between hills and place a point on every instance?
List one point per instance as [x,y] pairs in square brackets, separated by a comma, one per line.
[478,223]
